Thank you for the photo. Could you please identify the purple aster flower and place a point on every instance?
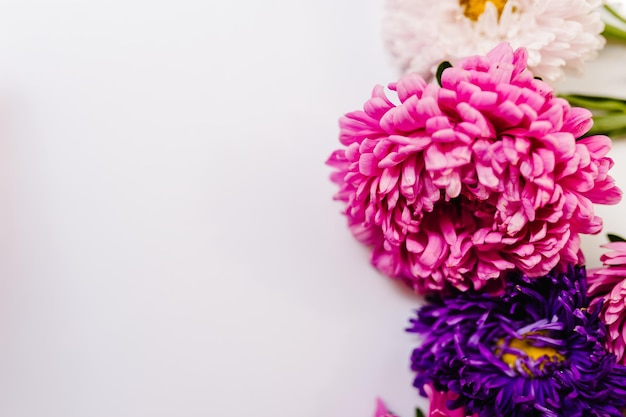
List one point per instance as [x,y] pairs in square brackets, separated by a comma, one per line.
[533,351]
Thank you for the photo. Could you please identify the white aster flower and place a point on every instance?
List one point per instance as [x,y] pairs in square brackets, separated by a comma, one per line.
[558,34]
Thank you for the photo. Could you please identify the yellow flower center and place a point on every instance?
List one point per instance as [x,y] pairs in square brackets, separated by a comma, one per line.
[530,351]
[474,8]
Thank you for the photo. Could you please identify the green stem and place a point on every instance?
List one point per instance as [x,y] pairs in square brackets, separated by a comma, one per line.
[614,13]
[614,32]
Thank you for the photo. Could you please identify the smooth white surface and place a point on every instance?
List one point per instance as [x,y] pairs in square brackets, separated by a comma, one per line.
[168,243]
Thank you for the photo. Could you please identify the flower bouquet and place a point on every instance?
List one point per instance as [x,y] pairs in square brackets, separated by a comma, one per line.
[472,181]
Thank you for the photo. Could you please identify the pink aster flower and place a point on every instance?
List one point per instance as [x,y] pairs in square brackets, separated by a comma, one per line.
[609,283]
[381,410]
[453,185]
[439,401]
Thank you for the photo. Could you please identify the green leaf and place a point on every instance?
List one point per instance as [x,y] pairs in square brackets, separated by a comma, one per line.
[419,413]
[615,238]
[610,124]
[440,69]
[609,114]
[596,102]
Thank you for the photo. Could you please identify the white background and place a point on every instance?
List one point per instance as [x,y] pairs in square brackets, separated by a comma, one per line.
[168,242]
